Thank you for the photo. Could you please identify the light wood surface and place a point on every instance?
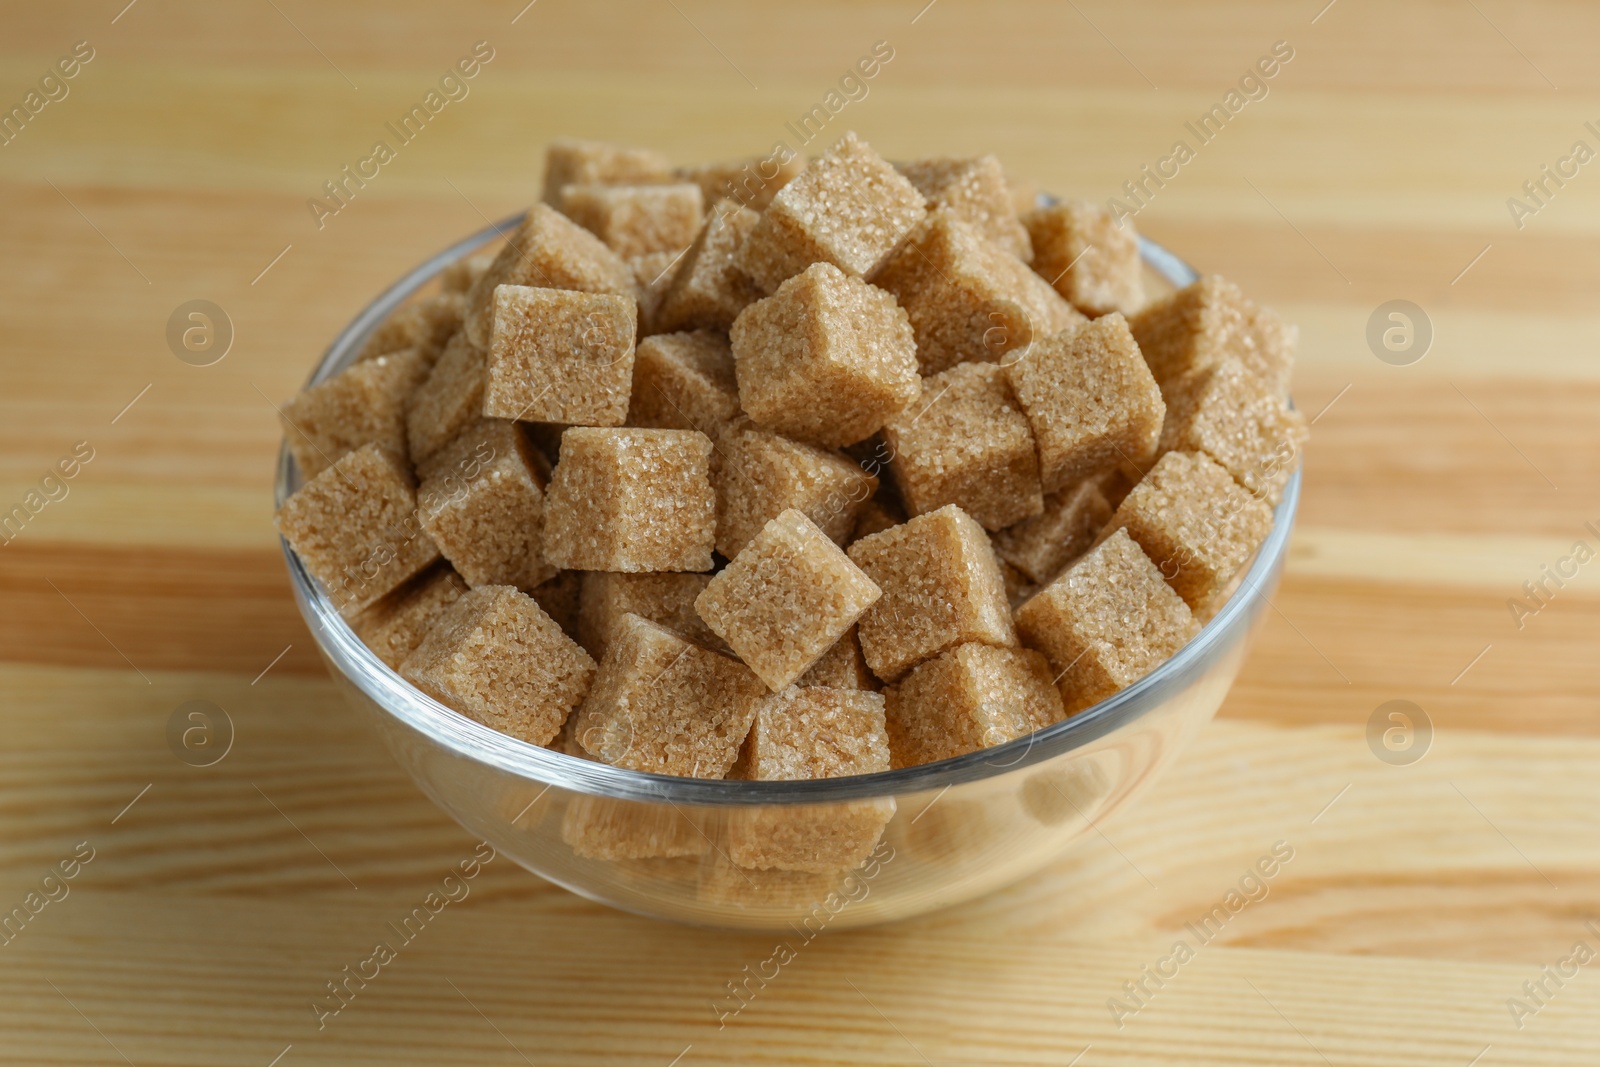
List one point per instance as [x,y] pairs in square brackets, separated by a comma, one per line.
[1419,899]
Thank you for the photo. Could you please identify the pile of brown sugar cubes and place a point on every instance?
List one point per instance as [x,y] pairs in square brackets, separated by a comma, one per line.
[791,471]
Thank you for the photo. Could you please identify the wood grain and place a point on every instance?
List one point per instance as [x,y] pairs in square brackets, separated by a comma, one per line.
[219,901]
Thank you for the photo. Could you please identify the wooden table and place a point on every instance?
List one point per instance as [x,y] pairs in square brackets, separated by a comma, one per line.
[219,900]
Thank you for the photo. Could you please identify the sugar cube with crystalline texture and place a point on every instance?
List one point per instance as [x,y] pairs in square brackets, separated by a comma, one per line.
[969,444]
[801,734]
[605,828]
[481,499]
[941,587]
[762,474]
[684,381]
[1105,622]
[459,275]
[1238,420]
[559,598]
[1195,522]
[395,625]
[572,162]
[976,190]
[635,219]
[841,667]
[667,599]
[354,528]
[707,290]
[560,356]
[971,697]
[749,183]
[496,657]
[665,705]
[652,274]
[425,325]
[827,359]
[1042,547]
[967,299]
[1091,401]
[547,251]
[1209,321]
[1087,257]
[848,207]
[631,500]
[363,404]
[448,400]
[785,599]
[807,732]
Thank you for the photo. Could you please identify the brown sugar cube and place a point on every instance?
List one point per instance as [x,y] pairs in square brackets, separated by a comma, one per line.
[1041,547]
[684,381]
[977,191]
[571,162]
[1079,248]
[665,705]
[941,587]
[1238,420]
[355,529]
[547,251]
[749,183]
[604,828]
[827,359]
[667,599]
[805,732]
[849,208]
[395,625]
[1209,321]
[481,499]
[708,291]
[448,400]
[1105,622]
[459,275]
[801,734]
[497,658]
[560,356]
[1090,400]
[631,500]
[634,220]
[968,299]
[363,404]
[972,697]
[425,325]
[969,444]
[785,599]
[1195,522]
[762,474]
[559,597]
[841,667]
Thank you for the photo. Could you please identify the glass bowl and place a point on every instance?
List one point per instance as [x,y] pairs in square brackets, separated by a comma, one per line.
[657,845]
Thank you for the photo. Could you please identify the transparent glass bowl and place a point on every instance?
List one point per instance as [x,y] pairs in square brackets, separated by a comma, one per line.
[960,827]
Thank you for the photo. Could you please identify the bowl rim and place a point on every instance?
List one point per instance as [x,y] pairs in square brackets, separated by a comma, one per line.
[473,740]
